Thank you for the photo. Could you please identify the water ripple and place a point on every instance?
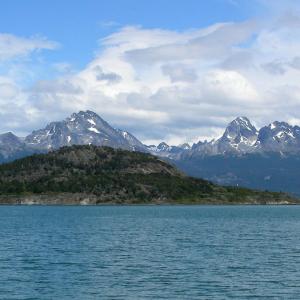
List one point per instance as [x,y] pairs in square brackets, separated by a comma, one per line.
[155,252]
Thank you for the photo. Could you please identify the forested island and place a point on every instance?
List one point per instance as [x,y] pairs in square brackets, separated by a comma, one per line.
[103,175]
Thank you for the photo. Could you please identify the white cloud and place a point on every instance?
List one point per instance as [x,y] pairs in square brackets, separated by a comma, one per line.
[179,72]
[175,86]
[12,46]
[229,86]
[17,68]
[8,90]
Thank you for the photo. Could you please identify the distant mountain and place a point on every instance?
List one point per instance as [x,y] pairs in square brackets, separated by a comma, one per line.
[240,137]
[9,142]
[279,137]
[266,159]
[82,128]
[86,127]
[13,147]
[164,150]
[95,175]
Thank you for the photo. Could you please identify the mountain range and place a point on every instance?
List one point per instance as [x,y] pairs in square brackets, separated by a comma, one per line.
[231,159]
[267,158]
[241,137]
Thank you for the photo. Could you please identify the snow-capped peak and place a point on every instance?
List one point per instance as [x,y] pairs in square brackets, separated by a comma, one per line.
[82,128]
[243,122]
[239,134]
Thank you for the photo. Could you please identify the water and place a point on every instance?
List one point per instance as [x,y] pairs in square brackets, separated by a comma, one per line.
[154,252]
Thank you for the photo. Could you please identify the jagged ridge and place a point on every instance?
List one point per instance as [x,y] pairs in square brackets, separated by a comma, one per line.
[241,137]
[83,128]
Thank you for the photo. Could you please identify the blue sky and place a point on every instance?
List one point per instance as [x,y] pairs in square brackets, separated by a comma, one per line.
[177,71]
[78,25]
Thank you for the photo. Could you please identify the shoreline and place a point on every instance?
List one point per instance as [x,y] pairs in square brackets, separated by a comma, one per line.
[69,199]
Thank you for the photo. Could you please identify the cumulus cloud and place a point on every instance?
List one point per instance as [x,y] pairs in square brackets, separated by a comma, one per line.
[175,86]
[16,109]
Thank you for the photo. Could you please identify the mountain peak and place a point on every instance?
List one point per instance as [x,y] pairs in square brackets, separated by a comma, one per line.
[279,136]
[239,127]
[239,135]
[243,122]
[88,114]
[9,137]
[277,124]
[82,128]
[163,146]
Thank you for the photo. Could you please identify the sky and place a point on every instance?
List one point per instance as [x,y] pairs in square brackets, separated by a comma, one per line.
[165,70]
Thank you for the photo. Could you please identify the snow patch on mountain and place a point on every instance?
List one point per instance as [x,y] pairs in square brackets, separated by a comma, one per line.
[93,129]
[91,121]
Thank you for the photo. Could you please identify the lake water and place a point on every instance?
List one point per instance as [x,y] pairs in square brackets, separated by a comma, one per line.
[150,252]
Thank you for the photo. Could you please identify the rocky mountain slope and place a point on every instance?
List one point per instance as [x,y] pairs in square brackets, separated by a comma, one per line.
[94,175]
[241,137]
[82,128]
[12,147]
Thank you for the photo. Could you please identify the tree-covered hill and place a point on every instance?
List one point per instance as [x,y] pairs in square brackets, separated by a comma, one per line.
[94,175]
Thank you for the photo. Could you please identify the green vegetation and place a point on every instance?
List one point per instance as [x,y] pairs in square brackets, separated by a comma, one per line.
[113,175]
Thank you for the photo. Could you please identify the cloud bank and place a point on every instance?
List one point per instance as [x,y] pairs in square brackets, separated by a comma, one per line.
[166,85]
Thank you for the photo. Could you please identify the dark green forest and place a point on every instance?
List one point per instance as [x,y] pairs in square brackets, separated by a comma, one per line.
[114,174]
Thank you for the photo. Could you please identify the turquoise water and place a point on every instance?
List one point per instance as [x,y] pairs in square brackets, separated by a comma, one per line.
[154,252]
